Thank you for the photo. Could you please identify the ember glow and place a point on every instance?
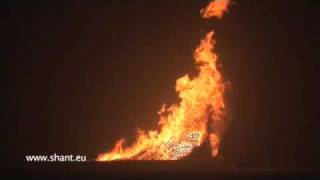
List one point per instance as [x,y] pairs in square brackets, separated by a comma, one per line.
[184,126]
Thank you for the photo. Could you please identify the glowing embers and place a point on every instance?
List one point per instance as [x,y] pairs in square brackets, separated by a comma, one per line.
[180,149]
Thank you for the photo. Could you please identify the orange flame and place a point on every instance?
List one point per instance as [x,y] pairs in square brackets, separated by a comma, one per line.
[184,126]
[215,9]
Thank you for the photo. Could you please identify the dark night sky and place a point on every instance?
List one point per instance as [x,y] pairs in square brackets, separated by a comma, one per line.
[81,75]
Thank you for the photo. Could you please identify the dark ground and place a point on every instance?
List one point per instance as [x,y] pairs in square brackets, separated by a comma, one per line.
[215,169]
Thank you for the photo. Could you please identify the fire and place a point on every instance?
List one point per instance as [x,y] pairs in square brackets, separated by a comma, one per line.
[184,126]
[215,9]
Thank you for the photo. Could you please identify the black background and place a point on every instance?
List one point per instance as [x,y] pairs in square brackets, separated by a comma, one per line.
[80,75]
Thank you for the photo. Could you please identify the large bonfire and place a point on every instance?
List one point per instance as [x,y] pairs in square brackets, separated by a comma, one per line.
[184,126]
